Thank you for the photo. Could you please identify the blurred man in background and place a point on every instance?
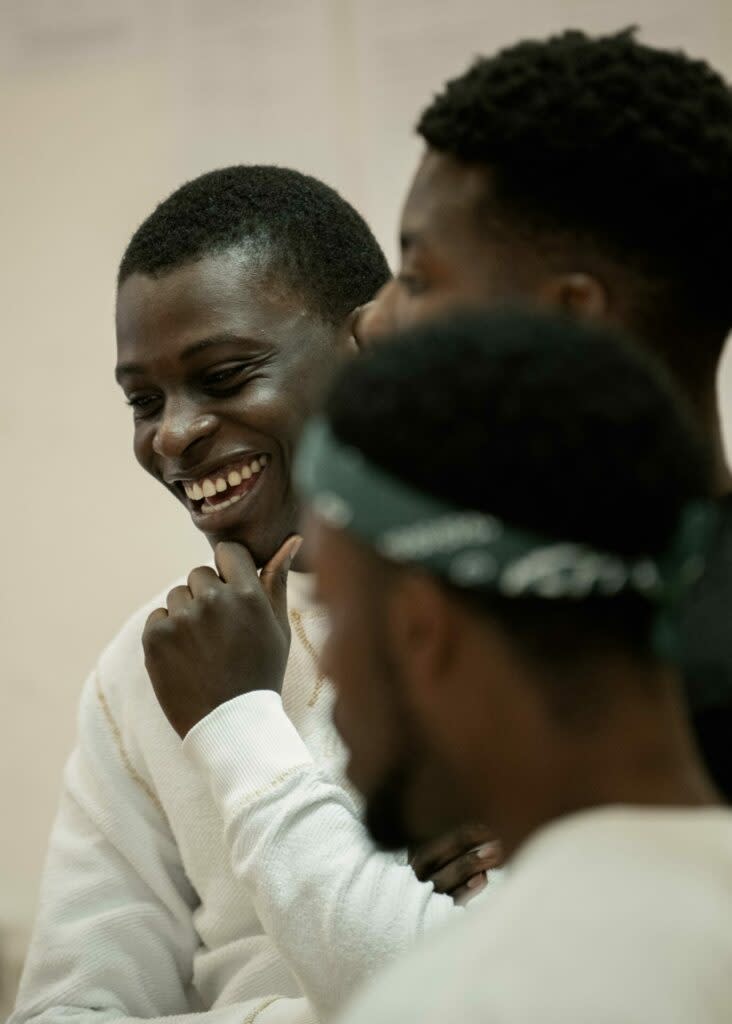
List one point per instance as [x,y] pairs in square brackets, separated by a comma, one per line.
[592,175]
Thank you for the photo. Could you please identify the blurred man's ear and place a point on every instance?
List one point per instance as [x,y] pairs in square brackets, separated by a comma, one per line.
[576,294]
[421,630]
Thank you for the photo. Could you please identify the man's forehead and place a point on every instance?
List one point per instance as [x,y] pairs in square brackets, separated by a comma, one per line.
[443,198]
[237,285]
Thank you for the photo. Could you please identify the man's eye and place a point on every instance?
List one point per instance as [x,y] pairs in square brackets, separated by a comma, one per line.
[411,284]
[143,405]
[223,376]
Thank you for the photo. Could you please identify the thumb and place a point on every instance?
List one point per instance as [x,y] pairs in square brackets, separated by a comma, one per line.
[273,578]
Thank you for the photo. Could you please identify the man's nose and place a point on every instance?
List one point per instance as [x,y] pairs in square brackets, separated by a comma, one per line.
[180,427]
[376,318]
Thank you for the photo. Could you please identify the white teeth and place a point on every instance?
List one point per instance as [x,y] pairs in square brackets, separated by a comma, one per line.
[208,510]
[208,488]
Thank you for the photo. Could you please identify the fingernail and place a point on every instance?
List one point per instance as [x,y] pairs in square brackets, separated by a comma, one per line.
[475,881]
[489,850]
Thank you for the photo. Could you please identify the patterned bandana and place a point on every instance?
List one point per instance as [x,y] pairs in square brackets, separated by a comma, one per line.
[473,550]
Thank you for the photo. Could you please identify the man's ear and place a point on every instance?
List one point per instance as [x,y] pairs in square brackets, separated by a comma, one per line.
[576,294]
[423,634]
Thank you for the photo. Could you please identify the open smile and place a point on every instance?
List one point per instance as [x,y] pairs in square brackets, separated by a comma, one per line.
[209,498]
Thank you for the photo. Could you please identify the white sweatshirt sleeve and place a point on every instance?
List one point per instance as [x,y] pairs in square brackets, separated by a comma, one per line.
[336,908]
[114,939]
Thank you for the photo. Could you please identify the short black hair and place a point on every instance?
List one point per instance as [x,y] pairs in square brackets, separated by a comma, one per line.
[626,146]
[555,426]
[317,244]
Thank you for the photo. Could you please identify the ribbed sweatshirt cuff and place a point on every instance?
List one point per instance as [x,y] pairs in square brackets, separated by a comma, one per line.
[247,744]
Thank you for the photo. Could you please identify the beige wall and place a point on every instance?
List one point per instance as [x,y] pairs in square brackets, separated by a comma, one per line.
[107,105]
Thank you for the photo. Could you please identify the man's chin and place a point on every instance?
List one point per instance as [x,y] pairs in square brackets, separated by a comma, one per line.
[385,816]
[260,547]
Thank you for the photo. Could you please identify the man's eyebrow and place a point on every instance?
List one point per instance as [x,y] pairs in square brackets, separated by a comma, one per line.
[218,340]
[128,369]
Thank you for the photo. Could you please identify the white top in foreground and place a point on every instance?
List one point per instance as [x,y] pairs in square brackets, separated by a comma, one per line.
[142,914]
[614,916]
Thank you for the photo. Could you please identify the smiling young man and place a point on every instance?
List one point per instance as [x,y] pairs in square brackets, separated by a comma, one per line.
[505,511]
[233,308]
[591,175]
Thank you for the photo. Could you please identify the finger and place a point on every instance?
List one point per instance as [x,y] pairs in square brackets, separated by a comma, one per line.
[273,577]
[432,856]
[466,893]
[235,565]
[461,870]
[157,616]
[204,580]
[178,599]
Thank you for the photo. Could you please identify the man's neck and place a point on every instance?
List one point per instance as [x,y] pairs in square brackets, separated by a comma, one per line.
[643,755]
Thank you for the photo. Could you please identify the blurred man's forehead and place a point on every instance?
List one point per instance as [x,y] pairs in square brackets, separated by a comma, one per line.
[443,198]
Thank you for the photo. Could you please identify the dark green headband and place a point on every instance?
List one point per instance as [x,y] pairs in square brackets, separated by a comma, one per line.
[473,550]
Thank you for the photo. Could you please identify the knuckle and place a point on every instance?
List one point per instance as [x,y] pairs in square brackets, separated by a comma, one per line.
[245,596]
[200,574]
[209,599]
[156,635]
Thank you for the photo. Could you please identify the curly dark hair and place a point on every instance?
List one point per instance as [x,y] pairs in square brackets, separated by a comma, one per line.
[315,242]
[627,146]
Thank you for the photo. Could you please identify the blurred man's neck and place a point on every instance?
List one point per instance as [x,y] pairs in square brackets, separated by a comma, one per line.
[641,754]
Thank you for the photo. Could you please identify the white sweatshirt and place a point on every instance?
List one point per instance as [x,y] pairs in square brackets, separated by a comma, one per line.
[615,916]
[141,915]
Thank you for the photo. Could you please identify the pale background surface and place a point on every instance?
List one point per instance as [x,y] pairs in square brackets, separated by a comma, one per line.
[106,106]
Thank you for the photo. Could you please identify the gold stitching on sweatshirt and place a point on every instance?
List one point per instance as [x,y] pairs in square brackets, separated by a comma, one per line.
[277,781]
[260,1009]
[303,638]
[124,756]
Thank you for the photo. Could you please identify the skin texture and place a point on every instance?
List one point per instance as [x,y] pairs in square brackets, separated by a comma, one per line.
[197,406]
[458,720]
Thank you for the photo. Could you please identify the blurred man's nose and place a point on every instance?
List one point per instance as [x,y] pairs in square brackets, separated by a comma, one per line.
[376,318]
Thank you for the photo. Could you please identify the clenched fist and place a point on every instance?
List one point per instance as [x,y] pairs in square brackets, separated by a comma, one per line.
[222,635]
